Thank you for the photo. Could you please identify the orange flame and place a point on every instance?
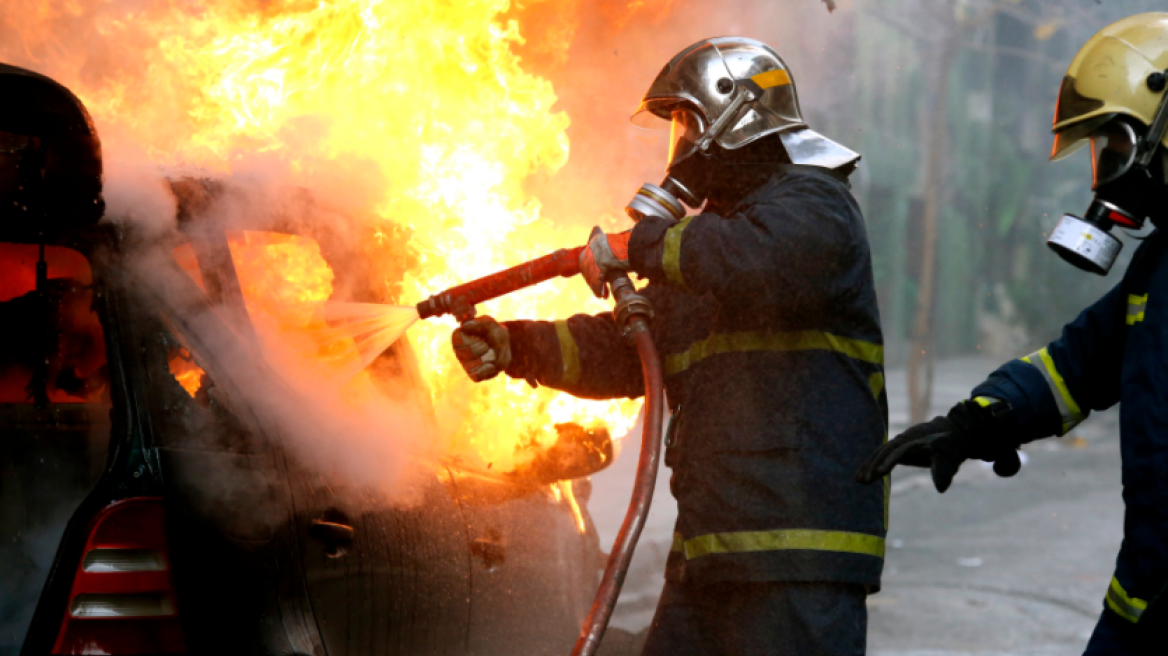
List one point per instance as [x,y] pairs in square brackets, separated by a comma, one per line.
[417,113]
[185,371]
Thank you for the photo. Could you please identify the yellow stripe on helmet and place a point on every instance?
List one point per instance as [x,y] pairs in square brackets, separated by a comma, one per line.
[768,79]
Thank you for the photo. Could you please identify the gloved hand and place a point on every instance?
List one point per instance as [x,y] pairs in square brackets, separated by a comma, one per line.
[604,254]
[968,431]
[483,348]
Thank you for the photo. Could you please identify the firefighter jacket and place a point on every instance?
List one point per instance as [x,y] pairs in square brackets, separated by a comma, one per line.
[1114,351]
[766,323]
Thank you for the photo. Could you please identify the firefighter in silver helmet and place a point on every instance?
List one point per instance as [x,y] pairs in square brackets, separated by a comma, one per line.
[766,321]
[1113,99]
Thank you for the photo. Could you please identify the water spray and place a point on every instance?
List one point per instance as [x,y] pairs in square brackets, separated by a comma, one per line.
[632,313]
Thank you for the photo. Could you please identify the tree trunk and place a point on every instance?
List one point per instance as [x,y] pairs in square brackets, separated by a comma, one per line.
[934,158]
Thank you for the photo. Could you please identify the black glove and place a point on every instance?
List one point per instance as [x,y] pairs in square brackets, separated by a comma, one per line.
[968,431]
[483,348]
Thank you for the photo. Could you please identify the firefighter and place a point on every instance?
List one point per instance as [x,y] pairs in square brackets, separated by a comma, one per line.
[1113,98]
[766,322]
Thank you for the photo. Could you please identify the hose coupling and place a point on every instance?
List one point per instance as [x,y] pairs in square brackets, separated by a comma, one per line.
[446,303]
[633,311]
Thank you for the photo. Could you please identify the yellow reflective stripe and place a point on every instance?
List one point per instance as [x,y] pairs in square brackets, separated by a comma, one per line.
[802,340]
[985,401]
[784,540]
[678,544]
[1135,308]
[1129,608]
[569,354]
[876,382]
[671,258]
[1068,409]
[768,79]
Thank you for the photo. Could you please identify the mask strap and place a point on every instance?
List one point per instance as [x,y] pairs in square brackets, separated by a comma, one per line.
[742,95]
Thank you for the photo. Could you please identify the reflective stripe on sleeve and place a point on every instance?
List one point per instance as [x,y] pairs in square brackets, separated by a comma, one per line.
[1135,308]
[986,401]
[1068,409]
[803,340]
[781,540]
[671,258]
[569,354]
[678,545]
[1129,608]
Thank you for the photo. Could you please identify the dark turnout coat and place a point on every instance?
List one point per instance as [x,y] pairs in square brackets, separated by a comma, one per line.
[766,322]
[1115,351]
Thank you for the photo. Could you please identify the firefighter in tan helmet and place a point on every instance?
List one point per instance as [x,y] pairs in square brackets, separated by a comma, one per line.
[1113,99]
[766,321]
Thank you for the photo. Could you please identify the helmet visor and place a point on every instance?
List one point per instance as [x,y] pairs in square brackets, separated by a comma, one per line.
[1113,150]
[685,130]
[1070,139]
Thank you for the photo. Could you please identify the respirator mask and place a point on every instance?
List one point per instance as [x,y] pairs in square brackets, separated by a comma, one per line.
[1128,179]
[687,172]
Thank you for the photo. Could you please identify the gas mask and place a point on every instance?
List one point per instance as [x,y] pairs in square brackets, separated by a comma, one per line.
[1128,177]
[687,172]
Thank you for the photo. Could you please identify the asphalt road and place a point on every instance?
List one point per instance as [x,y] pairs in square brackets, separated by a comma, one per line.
[994,567]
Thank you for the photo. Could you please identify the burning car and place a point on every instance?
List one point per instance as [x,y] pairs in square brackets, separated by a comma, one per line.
[139,401]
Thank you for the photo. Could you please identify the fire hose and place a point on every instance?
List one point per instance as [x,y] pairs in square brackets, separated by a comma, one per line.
[632,313]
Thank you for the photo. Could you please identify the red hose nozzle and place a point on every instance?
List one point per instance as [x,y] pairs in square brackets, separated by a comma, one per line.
[461,300]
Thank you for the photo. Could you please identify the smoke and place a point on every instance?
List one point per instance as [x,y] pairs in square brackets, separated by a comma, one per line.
[138,193]
[368,432]
[335,170]
[285,159]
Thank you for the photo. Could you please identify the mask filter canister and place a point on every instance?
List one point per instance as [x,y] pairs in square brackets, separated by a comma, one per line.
[1087,242]
[660,202]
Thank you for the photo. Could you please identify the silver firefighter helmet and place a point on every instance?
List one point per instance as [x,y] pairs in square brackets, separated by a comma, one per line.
[733,91]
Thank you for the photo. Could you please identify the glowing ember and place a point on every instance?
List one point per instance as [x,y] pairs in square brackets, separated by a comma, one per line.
[416,113]
[185,371]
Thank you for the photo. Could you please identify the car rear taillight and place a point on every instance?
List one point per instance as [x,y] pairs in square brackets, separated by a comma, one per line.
[122,600]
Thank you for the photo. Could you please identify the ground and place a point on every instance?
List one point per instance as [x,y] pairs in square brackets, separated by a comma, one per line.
[994,567]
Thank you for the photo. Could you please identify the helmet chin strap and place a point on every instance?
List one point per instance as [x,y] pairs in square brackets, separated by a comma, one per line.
[742,95]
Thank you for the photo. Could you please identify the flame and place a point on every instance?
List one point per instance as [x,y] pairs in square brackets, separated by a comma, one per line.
[570,497]
[284,277]
[419,114]
[185,371]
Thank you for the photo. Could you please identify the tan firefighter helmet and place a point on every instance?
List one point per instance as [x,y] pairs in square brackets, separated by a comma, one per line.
[1120,71]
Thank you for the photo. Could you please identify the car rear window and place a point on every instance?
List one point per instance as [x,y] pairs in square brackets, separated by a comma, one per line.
[62,329]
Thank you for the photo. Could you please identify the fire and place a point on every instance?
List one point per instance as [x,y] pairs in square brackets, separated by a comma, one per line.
[283,277]
[562,491]
[185,371]
[419,114]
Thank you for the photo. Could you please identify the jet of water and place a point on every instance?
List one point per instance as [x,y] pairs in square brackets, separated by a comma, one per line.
[372,327]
